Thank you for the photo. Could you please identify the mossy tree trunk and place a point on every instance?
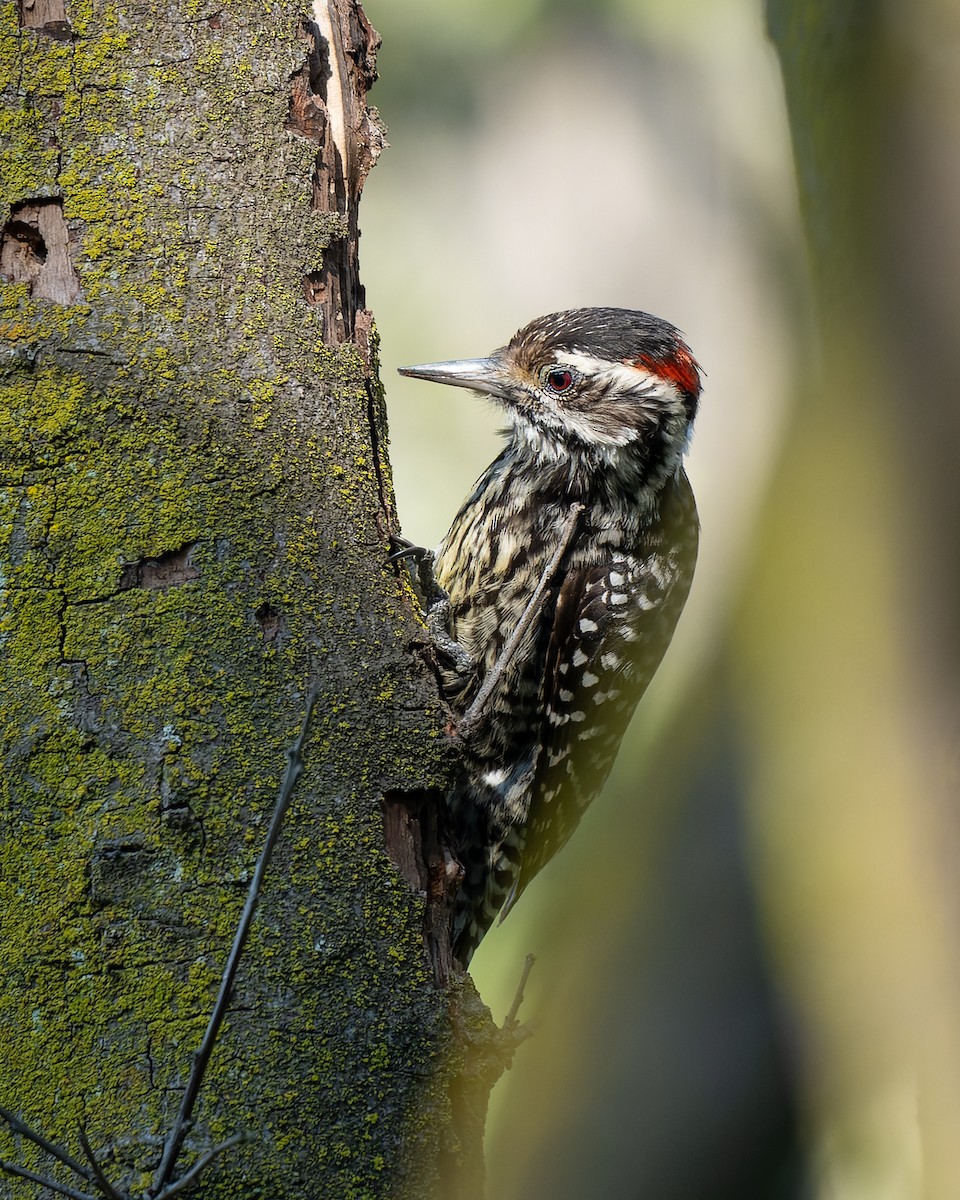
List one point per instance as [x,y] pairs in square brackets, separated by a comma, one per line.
[196,505]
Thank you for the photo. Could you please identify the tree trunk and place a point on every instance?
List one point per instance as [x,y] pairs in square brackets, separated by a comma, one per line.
[850,632]
[196,505]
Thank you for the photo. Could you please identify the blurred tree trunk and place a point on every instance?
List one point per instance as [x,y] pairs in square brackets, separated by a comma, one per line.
[196,504]
[850,635]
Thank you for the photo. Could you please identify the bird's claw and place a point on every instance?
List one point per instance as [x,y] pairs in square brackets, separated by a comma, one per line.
[404,548]
[436,608]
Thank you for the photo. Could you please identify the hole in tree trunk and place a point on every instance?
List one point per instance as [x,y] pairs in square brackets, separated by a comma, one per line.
[35,249]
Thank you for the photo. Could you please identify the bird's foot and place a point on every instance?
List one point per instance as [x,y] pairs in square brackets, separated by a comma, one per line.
[463,663]
[436,610]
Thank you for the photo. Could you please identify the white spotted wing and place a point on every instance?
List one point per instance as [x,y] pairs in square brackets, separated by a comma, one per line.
[612,624]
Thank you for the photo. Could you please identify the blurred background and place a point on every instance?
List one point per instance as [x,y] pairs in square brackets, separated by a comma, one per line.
[747,976]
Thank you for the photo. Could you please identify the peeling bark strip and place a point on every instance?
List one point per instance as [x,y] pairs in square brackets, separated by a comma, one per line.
[414,835]
[35,249]
[328,106]
[45,16]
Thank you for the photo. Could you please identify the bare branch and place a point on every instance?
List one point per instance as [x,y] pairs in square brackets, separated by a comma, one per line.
[202,1162]
[511,1017]
[43,1181]
[17,1125]
[103,1183]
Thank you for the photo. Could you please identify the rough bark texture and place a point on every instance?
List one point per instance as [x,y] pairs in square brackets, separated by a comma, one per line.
[195,502]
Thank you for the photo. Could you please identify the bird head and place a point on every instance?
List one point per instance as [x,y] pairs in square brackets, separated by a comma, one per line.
[614,386]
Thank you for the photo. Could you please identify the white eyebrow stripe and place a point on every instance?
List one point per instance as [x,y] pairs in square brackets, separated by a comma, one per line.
[624,375]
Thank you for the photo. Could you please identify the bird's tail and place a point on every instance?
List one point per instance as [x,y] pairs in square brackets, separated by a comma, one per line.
[491,861]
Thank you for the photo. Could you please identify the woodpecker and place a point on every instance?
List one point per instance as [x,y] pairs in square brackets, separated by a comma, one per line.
[560,582]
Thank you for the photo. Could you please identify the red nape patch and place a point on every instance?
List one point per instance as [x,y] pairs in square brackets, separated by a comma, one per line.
[679,368]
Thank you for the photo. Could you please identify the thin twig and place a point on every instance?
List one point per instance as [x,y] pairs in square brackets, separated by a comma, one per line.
[201,1058]
[63,1188]
[17,1125]
[511,1018]
[472,716]
[201,1164]
[104,1183]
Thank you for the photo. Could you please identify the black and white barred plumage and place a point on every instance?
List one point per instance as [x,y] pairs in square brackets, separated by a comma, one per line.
[600,403]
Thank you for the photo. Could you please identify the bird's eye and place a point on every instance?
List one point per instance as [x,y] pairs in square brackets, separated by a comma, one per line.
[558,380]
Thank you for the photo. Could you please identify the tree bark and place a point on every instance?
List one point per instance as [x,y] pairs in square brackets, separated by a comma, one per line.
[196,505]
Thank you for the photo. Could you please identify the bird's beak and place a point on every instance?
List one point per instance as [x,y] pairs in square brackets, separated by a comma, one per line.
[479,374]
